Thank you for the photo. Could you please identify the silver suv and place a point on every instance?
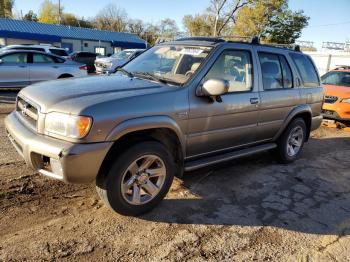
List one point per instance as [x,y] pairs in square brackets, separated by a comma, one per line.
[49,49]
[177,107]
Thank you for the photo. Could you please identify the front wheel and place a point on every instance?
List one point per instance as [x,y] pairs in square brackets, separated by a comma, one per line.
[291,141]
[139,179]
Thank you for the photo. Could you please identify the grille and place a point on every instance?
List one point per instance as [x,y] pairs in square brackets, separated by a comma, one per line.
[28,112]
[331,99]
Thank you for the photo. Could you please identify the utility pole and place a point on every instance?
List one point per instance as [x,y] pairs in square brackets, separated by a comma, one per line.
[59,12]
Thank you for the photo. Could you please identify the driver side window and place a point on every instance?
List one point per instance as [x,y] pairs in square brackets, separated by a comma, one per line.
[235,67]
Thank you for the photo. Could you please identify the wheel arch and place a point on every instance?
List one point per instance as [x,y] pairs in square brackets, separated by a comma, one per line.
[302,111]
[138,130]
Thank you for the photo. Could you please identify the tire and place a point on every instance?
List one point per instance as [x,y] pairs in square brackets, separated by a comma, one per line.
[64,76]
[124,199]
[288,149]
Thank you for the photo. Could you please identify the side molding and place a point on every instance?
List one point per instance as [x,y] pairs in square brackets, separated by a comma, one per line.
[144,123]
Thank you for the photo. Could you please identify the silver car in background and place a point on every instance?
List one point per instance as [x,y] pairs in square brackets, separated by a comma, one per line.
[20,68]
[109,64]
[49,49]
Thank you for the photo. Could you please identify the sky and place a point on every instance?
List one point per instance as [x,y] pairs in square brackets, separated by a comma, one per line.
[329,20]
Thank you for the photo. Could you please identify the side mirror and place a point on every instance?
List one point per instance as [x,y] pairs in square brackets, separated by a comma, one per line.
[213,88]
[1,61]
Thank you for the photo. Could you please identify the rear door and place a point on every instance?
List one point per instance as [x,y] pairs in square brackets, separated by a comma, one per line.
[14,70]
[278,92]
[309,81]
[42,67]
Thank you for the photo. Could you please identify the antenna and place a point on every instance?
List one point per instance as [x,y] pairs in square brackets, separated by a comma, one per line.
[59,12]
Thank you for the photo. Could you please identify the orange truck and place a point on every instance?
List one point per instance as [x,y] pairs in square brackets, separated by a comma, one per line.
[337,94]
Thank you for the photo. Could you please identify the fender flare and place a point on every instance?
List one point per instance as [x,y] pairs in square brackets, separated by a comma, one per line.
[301,109]
[144,123]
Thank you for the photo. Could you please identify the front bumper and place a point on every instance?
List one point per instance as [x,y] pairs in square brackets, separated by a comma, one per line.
[69,162]
[337,111]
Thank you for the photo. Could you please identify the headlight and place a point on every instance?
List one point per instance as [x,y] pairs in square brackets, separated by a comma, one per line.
[107,65]
[346,100]
[67,125]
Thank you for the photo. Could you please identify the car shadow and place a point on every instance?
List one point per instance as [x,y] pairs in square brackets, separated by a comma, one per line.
[311,195]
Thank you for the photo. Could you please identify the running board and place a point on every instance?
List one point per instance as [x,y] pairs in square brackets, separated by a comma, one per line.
[207,161]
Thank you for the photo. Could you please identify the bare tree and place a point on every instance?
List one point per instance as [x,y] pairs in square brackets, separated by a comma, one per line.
[112,18]
[224,12]
[136,26]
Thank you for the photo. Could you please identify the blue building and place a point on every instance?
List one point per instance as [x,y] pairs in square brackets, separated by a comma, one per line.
[13,32]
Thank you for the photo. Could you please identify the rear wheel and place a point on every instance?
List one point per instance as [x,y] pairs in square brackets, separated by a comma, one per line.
[291,141]
[138,179]
[65,76]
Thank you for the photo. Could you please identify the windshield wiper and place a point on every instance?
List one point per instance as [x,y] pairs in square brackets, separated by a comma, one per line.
[152,77]
[120,69]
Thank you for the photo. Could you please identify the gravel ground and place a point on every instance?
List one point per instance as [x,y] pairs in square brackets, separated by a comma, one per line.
[244,210]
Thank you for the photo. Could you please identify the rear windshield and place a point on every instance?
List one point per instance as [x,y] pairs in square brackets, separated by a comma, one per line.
[336,78]
[59,52]
[306,70]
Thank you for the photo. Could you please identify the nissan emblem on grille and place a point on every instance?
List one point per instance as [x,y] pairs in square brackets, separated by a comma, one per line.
[24,109]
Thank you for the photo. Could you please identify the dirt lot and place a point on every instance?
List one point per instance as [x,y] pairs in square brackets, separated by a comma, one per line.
[249,209]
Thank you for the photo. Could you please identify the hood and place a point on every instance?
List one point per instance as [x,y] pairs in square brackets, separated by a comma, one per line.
[107,59]
[339,91]
[75,94]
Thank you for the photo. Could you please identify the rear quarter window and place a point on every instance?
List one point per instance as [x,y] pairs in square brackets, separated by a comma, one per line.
[306,70]
[59,52]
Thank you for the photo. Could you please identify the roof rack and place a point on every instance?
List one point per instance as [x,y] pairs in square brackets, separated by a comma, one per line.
[202,38]
[342,67]
[241,39]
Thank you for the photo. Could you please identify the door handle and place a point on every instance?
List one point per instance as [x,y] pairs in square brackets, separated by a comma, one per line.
[23,66]
[55,66]
[254,100]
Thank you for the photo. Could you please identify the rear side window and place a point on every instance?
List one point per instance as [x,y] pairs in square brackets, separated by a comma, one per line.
[59,52]
[42,59]
[306,70]
[276,71]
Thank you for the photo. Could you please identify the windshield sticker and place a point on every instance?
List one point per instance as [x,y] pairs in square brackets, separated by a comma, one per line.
[162,50]
[191,51]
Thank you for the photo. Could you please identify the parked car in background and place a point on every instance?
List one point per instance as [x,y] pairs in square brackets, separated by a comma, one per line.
[86,58]
[133,131]
[337,94]
[20,68]
[49,49]
[110,64]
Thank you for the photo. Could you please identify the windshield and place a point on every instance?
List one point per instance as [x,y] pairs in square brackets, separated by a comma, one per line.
[336,78]
[172,63]
[122,54]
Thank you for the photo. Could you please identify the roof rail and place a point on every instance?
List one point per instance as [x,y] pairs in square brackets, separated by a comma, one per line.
[244,39]
[202,38]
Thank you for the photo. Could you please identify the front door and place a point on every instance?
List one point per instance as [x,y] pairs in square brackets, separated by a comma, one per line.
[215,126]
[14,70]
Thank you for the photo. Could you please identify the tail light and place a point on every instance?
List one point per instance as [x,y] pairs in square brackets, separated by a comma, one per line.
[83,67]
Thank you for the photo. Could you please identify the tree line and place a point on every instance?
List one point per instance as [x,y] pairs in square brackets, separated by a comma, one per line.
[271,20]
